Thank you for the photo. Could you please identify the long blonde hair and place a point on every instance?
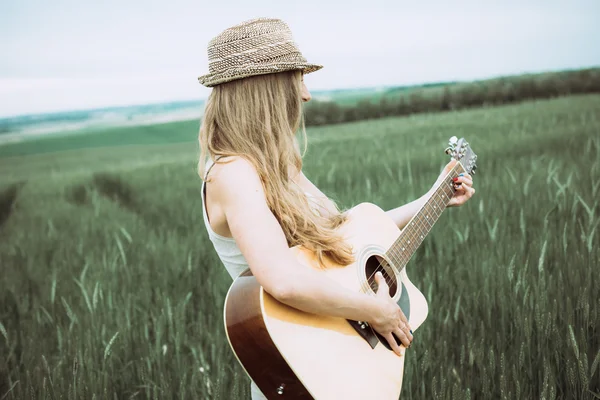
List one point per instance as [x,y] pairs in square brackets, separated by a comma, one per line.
[257,118]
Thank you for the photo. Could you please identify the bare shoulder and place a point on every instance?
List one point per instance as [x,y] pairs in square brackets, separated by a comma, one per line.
[230,167]
[233,178]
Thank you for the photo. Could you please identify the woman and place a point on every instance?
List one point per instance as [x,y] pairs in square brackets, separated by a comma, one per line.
[257,202]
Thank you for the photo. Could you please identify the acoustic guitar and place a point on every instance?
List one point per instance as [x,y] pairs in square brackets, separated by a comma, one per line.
[291,354]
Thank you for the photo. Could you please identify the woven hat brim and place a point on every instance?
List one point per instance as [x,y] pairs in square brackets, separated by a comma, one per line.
[210,80]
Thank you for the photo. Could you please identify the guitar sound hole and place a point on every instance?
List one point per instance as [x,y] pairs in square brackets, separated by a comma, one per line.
[375,264]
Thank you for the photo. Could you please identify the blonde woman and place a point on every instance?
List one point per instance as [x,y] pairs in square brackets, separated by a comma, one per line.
[257,202]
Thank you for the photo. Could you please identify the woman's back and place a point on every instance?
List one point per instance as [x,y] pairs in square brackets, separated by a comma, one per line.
[230,255]
[226,248]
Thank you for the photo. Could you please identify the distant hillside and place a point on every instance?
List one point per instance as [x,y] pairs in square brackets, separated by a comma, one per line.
[447,96]
[328,106]
[397,89]
[353,96]
[80,120]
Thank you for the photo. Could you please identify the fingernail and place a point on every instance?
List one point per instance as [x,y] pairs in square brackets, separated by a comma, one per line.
[411,332]
[454,179]
[461,174]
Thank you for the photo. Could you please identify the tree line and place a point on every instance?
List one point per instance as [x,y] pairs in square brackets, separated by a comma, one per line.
[455,96]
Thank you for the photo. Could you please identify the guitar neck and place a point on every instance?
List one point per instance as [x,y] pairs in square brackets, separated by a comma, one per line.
[421,223]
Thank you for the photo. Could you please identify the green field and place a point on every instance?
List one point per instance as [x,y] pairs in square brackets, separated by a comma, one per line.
[110,288]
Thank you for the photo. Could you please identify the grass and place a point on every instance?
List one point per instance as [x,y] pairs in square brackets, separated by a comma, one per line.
[159,134]
[111,288]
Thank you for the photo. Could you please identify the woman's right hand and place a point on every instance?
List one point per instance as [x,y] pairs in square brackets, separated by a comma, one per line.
[390,321]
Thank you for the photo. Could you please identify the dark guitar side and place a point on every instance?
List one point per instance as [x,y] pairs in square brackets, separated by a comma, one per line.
[253,345]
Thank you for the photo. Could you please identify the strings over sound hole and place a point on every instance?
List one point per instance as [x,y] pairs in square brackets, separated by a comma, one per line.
[378,264]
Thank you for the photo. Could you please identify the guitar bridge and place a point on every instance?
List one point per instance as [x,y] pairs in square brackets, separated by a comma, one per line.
[365,331]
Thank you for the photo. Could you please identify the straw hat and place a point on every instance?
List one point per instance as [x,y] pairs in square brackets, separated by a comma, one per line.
[255,47]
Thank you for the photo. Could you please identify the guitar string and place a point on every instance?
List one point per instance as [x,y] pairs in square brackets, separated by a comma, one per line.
[449,193]
[380,268]
[404,260]
[445,181]
[398,258]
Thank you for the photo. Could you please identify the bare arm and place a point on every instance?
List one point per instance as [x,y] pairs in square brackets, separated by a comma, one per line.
[401,215]
[259,236]
[326,206]
[464,190]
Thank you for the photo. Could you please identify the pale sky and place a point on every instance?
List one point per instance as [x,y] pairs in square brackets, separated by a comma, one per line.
[71,54]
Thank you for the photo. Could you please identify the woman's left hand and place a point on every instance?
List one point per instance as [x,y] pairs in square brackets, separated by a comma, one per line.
[463,190]
[463,186]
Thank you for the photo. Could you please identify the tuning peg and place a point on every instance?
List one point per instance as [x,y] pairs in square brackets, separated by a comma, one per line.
[451,145]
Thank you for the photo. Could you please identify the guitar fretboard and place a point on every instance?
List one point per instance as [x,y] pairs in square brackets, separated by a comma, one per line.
[419,226]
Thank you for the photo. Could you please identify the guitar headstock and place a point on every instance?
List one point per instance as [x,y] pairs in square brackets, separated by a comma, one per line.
[460,150]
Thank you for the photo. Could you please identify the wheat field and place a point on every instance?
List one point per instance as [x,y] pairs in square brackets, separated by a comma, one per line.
[110,288]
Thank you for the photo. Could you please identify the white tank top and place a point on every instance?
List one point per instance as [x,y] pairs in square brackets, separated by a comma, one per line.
[226,248]
[231,257]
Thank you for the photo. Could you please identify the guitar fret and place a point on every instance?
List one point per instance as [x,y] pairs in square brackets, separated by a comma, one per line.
[420,225]
[424,222]
[438,203]
[427,221]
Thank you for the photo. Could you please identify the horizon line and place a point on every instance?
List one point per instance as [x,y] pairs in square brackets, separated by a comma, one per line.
[203,99]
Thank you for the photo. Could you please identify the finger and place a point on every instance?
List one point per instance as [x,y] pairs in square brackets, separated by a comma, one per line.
[463,190]
[408,332]
[463,179]
[405,327]
[382,286]
[458,187]
[402,337]
[403,320]
[450,165]
[404,324]
[380,279]
[393,344]
[466,180]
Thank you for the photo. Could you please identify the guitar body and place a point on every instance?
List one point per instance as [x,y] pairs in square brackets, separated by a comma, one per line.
[297,355]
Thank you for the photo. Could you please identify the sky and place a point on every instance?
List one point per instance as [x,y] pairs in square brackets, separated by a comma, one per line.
[70,54]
